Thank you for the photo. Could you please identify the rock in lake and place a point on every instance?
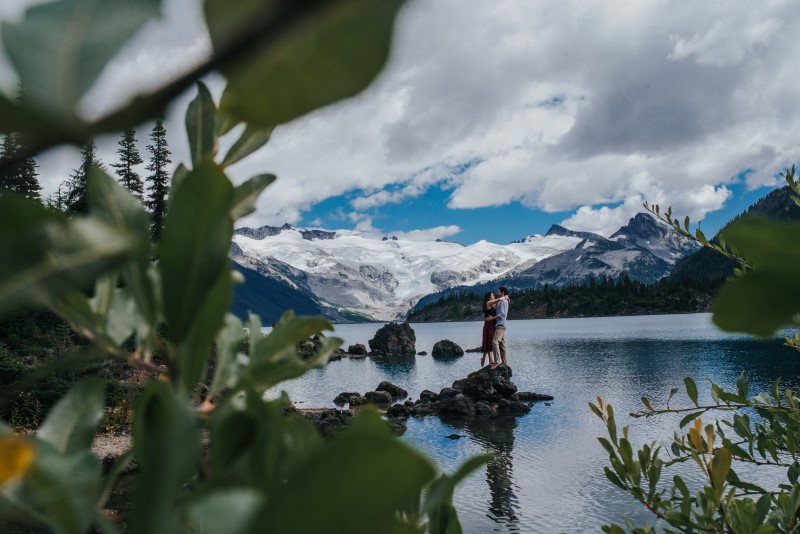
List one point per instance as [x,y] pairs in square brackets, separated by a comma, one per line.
[486,392]
[394,339]
[378,397]
[345,397]
[395,391]
[358,349]
[446,349]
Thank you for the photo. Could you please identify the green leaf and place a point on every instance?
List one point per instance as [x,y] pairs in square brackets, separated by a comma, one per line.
[330,51]
[366,456]
[167,446]
[742,385]
[31,122]
[438,505]
[64,488]
[194,245]
[251,140]
[72,423]
[691,417]
[115,206]
[201,125]
[45,255]
[766,297]
[230,510]
[233,433]
[60,48]
[229,342]
[246,195]
[691,389]
[274,358]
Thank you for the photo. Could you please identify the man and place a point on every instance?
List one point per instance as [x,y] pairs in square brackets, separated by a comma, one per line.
[499,341]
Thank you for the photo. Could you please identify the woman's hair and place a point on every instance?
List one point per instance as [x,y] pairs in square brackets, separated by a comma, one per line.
[486,298]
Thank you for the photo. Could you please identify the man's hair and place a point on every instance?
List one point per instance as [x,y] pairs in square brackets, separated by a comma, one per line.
[503,290]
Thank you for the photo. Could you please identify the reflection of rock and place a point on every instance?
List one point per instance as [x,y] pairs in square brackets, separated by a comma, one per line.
[394,339]
[446,349]
[495,435]
[395,391]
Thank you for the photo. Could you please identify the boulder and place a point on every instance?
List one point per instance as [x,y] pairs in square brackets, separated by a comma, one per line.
[358,349]
[328,421]
[378,397]
[476,349]
[358,400]
[460,405]
[397,411]
[488,384]
[428,395]
[394,339]
[447,393]
[345,397]
[421,409]
[395,391]
[422,353]
[447,349]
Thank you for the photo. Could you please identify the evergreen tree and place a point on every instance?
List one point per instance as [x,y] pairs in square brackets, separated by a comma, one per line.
[158,180]
[129,158]
[76,197]
[20,176]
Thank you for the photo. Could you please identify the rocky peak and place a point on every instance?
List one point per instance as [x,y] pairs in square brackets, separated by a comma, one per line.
[557,229]
[645,231]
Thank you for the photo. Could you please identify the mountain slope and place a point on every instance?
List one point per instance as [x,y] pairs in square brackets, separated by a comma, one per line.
[706,264]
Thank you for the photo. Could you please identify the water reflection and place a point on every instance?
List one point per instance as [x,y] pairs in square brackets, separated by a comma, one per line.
[496,435]
[399,367]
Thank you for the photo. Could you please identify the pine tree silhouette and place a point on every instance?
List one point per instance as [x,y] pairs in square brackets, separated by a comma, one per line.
[158,180]
[21,176]
[129,158]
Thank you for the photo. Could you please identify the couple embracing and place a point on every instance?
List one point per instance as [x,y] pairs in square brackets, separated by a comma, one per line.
[495,311]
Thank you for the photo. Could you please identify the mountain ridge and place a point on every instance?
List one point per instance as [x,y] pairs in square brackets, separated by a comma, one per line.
[349,275]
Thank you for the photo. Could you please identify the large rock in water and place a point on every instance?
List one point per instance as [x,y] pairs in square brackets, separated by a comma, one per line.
[488,384]
[446,349]
[487,392]
[394,339]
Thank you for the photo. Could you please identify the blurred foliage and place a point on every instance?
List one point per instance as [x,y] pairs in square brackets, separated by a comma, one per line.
[761,431]
[161,308]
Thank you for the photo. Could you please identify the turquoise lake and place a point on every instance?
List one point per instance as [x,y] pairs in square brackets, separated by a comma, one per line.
[548,472]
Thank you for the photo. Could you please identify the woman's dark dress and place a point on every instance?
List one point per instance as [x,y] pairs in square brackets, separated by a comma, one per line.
[488,330]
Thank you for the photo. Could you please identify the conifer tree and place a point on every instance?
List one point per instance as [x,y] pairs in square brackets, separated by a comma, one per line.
[20,176]
[129,158]
[158,180]
[76,196]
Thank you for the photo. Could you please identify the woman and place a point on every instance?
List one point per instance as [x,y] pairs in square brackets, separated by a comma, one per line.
[488,328]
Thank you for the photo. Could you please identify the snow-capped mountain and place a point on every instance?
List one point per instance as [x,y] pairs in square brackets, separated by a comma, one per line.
[352,276]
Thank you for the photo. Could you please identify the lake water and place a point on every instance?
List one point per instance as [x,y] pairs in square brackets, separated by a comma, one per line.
[548,473]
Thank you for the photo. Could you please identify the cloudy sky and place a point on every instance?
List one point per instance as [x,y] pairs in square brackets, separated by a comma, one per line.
[493,120]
